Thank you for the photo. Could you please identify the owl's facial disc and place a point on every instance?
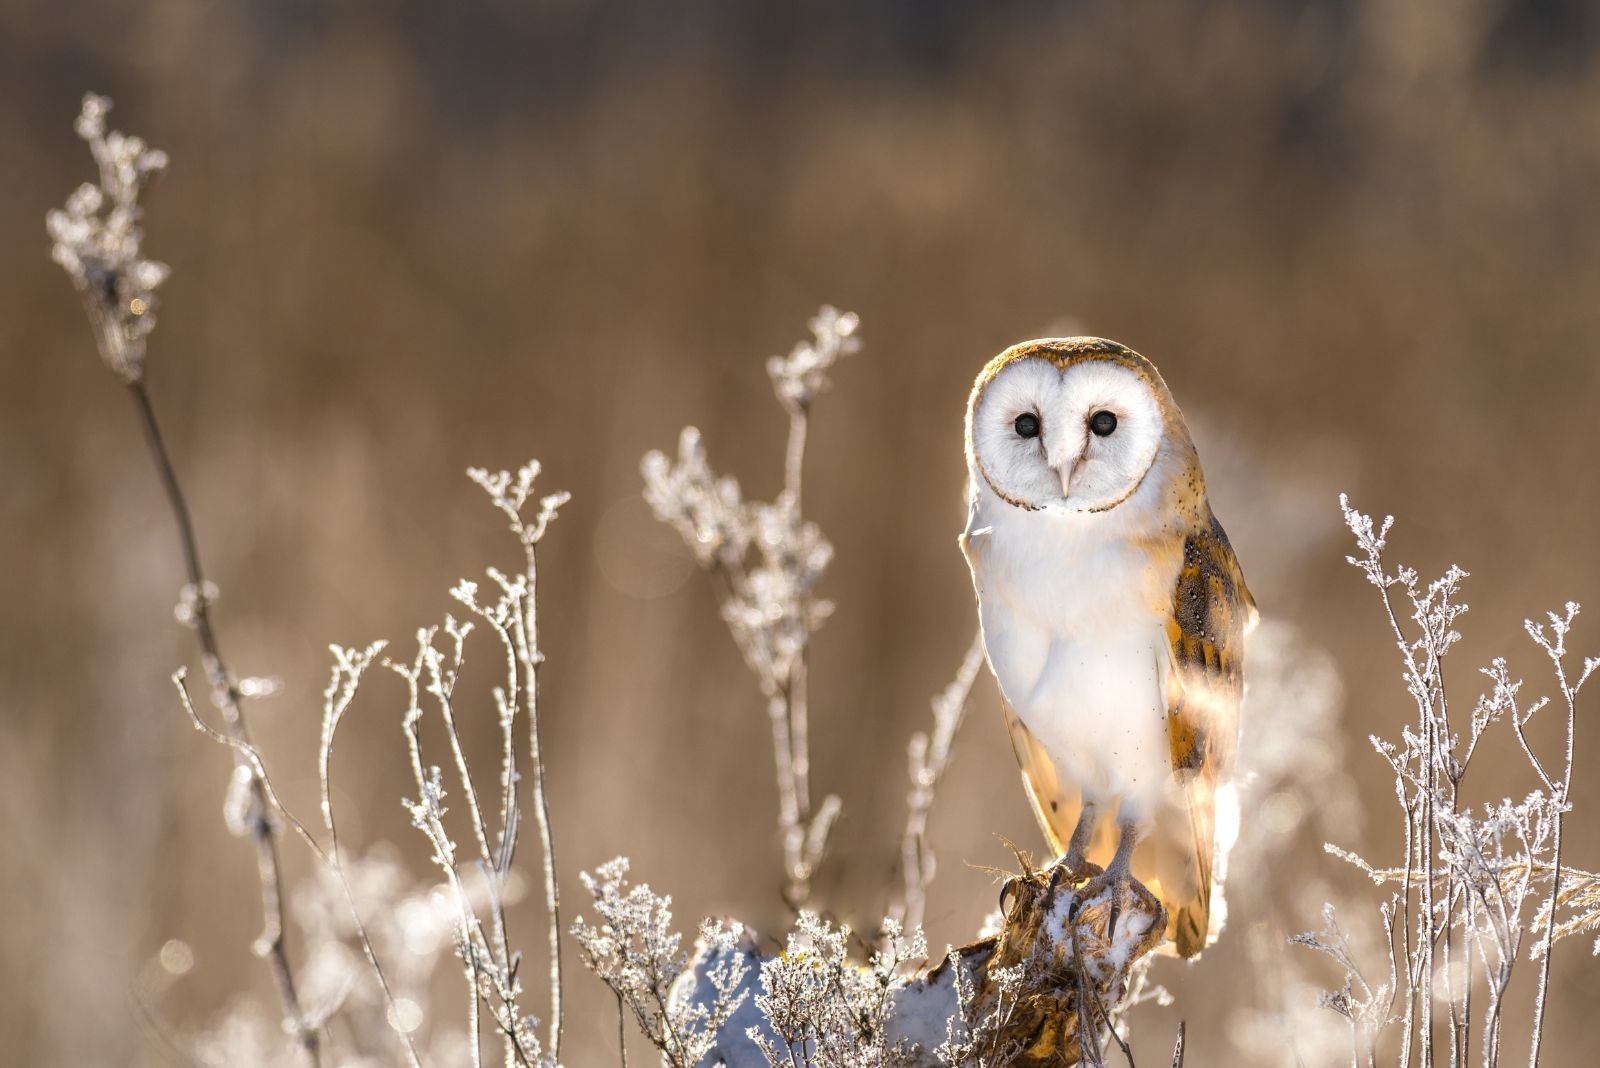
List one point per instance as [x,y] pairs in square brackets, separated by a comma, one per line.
[1072,440]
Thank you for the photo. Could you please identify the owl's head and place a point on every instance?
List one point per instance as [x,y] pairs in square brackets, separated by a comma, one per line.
[1070,424]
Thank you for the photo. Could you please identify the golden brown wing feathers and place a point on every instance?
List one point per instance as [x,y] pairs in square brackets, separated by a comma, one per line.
[1212,611]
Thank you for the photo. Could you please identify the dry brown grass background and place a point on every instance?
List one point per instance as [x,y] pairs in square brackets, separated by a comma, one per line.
[1361,242]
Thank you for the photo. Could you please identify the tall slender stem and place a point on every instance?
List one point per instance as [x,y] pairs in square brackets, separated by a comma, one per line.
[226,695]
[799,727]
[1560,796]
[789,818]
[1544,962]
[622,1031]
[532,658]
[1425,928]
[930,756]
[794,456]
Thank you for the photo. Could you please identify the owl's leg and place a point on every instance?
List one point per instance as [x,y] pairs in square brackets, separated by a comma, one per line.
[1073,860]
[1115,878]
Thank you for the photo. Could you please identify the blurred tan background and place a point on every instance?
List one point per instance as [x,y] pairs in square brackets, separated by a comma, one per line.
[1360,239]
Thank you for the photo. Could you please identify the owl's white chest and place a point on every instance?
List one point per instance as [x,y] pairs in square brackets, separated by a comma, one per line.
[1077,648]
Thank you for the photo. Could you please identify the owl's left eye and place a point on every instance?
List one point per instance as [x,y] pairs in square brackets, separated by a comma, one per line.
[1103,423]
[1027,425]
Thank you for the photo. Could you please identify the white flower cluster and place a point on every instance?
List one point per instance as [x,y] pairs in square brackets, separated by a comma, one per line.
[708,512]
[973,1037]
[774,608]
[801,375]
[823,1009]
[634,951]
[97,239]
[511,493]
[769,603]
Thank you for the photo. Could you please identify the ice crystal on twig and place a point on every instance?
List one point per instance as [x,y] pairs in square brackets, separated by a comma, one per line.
[707,511]
[801,375]
[96,238]
[511,493]
[767,601]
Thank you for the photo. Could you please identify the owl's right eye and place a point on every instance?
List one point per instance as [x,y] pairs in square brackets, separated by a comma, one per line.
[1027,425]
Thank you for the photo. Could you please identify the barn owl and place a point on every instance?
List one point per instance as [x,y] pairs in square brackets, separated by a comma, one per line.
[1113,613]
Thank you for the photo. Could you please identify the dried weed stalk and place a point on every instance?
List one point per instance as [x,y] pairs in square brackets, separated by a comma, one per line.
[97,240]
[1479,880]
[929,757]
[766,560]
[478,880]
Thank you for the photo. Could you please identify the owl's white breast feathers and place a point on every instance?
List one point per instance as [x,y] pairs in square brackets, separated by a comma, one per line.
[1077,648]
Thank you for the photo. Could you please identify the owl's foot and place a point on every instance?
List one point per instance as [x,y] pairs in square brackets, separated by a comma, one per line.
[1074,869]
[1073,864]
[1115,878]
[1062,870]
[1109,880]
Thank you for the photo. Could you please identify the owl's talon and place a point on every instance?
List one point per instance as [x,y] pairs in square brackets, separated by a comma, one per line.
[1005,892]
[1115,879]
[1073,869]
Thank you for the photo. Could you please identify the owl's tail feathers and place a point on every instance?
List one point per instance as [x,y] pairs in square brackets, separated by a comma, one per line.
[1188,925]
[1195,915]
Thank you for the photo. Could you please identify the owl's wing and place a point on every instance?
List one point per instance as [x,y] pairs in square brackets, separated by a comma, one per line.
[1057,804]
[1212,610]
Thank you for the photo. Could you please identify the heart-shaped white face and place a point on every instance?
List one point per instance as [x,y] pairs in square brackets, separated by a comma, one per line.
[1073,439]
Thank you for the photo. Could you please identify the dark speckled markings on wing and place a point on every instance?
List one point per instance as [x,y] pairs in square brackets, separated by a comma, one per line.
[1212,610]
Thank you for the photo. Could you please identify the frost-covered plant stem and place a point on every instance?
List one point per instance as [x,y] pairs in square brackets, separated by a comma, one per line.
[97,240]
[636,953]
[337,700]
[530,657]
[489,965]
[510,496]
[1467,876]
[768,601]
[271,944]
[348,667]
[791,714]
[1554,643]
[929,756]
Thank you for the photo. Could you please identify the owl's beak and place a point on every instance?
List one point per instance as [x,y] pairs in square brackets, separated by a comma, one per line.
[1064,472]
